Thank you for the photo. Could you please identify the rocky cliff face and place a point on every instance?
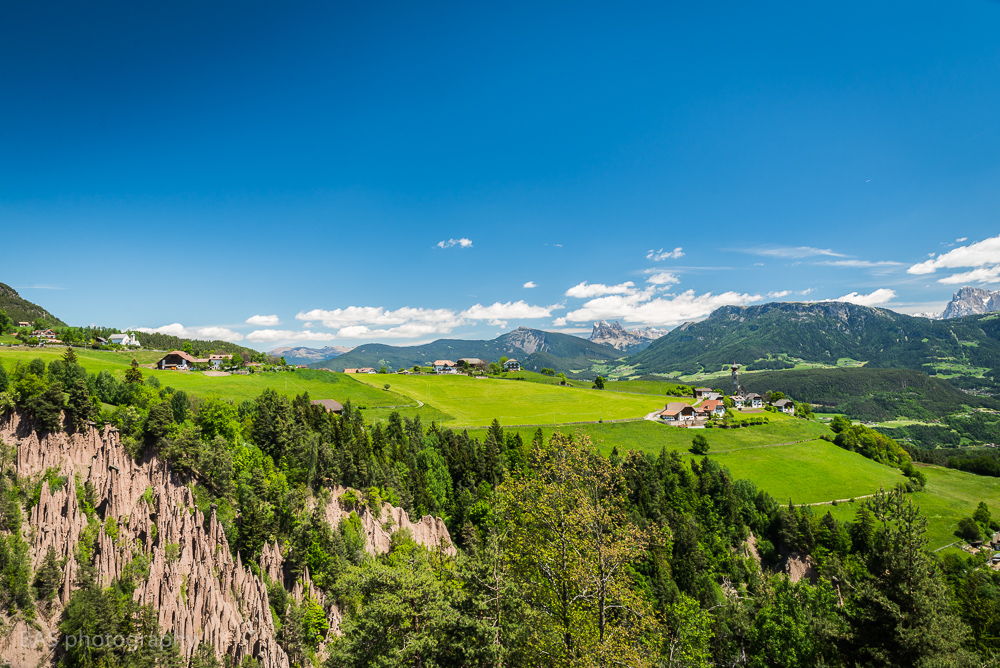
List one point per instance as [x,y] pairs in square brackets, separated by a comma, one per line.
[201,592]
[972,301]
[613,334]
[528,340]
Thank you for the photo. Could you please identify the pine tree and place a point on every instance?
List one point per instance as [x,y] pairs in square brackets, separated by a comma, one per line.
[901,614]
[48,578]
[133,376]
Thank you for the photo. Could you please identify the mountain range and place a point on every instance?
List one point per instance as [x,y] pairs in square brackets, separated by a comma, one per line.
[303,355]
[20,309]
[533,348]
[972,301]
[616,336]
[825,332]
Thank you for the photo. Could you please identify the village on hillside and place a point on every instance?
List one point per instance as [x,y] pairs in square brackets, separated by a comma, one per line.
[712,405]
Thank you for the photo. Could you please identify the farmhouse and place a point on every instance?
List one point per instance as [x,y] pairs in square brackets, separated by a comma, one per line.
[330,405]
[444,366]
[24,324]
[366,369]
[754,400]
[123,340]
[511,365]
[178,359]
[677,411]
[702,392]
[44,334]
[711,407]
[217,361]
[738,400]
[474,363]
[785,406]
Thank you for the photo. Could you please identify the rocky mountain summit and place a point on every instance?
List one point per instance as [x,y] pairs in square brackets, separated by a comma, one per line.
[201,591]
[972,301]
[613,334]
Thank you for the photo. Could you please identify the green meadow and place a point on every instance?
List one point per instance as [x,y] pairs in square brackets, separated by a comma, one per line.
[948,496]
[471,402]
[319,384]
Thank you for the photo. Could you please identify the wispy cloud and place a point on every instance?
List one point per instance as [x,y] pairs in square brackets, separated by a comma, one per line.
[263,320]
[38,287]
[209,333]
[530,284]
[860,264]
[876,298]
[586,290]
[658,255]
[663,278]
[461,243]
[274,335]
[779,294]
[792,252]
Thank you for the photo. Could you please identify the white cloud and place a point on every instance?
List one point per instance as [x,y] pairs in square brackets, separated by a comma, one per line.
[263,320]
[980,275]
[559,322]
[200,333]
[779,294]
[272,335]
[657,256]
[980,254]
[880,296]
[791,251]
[860,264]
[530,284]
[585,290]
[640,307]
[663,278]
[461,243]
[961,239]
[498,313]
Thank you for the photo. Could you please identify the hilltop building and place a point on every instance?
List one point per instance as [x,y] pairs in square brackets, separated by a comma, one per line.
[123,340]
[511,365]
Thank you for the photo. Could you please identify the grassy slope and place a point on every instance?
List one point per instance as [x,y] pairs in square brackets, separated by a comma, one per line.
[92,360]
[948,497]
[319,384]
[477,402]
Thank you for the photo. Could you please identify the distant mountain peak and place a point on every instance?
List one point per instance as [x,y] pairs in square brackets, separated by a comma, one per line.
[972,301]
[614,335]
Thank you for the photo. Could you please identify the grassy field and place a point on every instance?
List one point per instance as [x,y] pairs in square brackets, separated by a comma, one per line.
[92,360]
[474,402]
[652,437]
[319,384]
[949,496]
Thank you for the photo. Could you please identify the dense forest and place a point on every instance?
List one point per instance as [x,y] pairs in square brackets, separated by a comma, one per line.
[867,393]
[566,557]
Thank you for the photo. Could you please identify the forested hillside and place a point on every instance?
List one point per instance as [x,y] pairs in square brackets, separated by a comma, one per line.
[19,309]
[869,393]
[825,332]
[194,346]
[534,348]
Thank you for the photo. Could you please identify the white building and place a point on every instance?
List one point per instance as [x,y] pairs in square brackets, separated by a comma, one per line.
[123,340]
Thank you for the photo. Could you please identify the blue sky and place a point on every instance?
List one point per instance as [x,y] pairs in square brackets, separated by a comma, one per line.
[335,173]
